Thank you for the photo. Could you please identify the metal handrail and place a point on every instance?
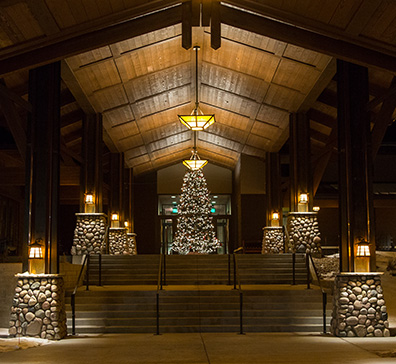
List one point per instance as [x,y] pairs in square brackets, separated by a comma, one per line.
[309,262]
[73,295]
[237,279]
[159,288]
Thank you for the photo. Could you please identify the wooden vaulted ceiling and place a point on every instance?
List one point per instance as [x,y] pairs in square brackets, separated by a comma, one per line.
[124,59]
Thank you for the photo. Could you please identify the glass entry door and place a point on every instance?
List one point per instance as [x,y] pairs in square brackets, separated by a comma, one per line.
[167,231]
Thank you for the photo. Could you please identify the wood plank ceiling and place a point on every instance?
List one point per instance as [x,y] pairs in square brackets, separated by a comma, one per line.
[251,83]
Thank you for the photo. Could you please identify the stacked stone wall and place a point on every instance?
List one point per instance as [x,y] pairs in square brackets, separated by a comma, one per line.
[132,243]
[118,242]
[38,307]
[304,234]
[273,240]
[89,234]
[359,306]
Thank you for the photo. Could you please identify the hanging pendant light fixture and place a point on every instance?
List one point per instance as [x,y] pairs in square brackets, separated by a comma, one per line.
[195,163]
[197,120]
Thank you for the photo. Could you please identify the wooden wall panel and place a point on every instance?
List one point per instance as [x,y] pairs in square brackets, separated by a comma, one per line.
[118,116]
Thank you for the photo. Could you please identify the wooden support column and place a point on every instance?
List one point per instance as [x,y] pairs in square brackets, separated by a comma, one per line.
[92,152]
[42,163]
[273,186]
[300,161]
[355,164]
[117,185]
[128,199]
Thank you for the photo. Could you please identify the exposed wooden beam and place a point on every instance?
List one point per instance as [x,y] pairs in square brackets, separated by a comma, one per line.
[14,97]
[58,47]
[390,93]
[322,118]
[329,98]
[382,120]
[71,118]
[44,17]
[14,122]
[334,47]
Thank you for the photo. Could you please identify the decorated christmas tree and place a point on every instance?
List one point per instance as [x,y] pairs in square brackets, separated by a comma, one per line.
[195,231]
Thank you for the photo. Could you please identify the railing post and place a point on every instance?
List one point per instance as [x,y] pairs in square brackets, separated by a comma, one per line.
[87,281]
[234,259]
[73,307]
[324,302]
[308,275]
[100,269]
[294,268]
[164,269]
[229,269]
[161,268]
[158,314]
[240,313]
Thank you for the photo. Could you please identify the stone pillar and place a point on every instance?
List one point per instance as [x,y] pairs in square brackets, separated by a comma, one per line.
[118,242]
[359,306]
[273,240]
[304,234]
[38,308]
[89,234]
[131,238]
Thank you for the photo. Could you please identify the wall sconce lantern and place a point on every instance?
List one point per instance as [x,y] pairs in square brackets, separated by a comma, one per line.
[275,218]
[89,202]
[316,208]
[36,255]
[115,220]
[362,261]
[303,199]
[126,224]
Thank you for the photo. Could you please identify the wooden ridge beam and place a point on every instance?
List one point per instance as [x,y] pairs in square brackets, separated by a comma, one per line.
[325,44]
[382,120]
[61,46]
[322,118]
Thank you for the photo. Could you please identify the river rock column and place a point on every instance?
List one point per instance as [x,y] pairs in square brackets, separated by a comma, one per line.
[89,234]
[131,237]
[118,241]
[273,240]
[304,234]
[359,306]
[38,307]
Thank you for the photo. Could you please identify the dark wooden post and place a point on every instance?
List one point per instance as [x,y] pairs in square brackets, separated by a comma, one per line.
[273,186]
[300,160]
[117,184]
[92,152]
[42,163]
[128,199]
[355,163]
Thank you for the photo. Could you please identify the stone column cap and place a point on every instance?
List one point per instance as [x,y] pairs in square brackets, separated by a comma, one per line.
[273,228]
[40,275]
[133,234]
[345,274]
[90,214]
[117,228]
[302,213]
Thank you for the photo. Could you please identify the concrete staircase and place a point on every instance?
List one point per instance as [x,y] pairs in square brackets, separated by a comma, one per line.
[197,297]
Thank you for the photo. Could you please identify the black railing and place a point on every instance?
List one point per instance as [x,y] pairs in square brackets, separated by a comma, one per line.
[237,282]
[73,295]
[159,288]
[293,268]
[312,272]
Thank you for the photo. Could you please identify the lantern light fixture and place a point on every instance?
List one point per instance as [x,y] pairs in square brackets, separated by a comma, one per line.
[36,250]
[126,224]
[303,198]
[89,199]
[316,208]
[275,216]
[362,260]
[195,163]
[114,216]
[197,120]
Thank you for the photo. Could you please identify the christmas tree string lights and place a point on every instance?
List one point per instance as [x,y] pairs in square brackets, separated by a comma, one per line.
[195,230]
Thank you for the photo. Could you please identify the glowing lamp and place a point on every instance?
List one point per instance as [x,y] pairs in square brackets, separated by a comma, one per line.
[275,215]
[195,163]
[126,224]
[89,199]
[362,261]
[114,217]
[303,198]
[36,250]
[316,208]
